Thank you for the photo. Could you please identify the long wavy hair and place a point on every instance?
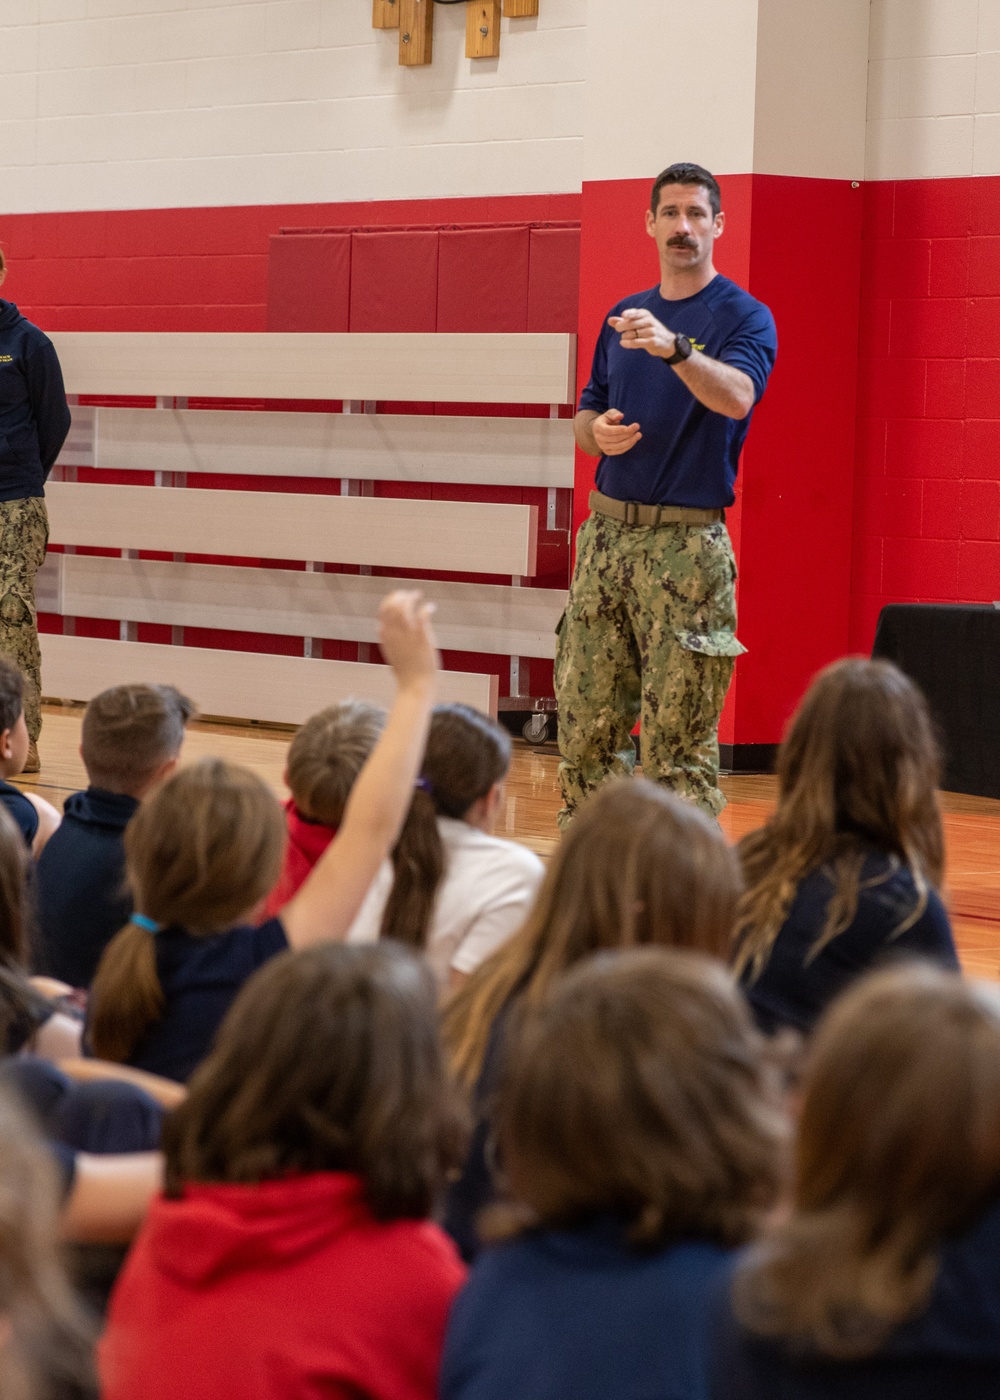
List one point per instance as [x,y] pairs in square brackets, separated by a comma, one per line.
[898,1149]
[859,767]
[638,866]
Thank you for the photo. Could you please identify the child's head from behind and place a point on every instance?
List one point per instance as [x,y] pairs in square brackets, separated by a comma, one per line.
[14,898]
[898,1148]
[202,852]
[329,1060]
[860,758]
[132,736]
[326,756]
[638,1088]
[14,739]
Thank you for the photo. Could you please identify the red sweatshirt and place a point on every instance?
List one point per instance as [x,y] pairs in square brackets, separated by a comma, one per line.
[289,1290]
[306,843]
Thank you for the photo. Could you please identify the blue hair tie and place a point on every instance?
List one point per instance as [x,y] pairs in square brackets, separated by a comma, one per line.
[150,925]
[425,785]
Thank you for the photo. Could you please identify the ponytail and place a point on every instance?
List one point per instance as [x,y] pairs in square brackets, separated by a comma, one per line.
[418,863]
[126,998]
[467,755]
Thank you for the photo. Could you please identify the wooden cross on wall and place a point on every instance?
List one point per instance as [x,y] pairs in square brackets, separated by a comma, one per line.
[415,21]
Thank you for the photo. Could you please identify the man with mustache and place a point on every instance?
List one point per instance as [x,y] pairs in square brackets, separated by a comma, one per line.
[649,630]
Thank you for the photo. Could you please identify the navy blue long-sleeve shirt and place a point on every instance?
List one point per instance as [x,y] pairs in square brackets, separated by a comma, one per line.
[34,415]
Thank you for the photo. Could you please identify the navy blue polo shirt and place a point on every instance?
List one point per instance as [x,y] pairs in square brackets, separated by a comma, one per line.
[201,977]
[688,455]
[24,814]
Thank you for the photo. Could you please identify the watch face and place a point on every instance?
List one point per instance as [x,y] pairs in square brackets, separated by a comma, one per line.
[683,345]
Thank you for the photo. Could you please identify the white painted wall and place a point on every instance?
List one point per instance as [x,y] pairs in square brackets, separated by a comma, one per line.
[934,89]
[152,103]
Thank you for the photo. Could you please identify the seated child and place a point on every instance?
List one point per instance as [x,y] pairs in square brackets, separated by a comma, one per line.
[882,1281]
[638,1133]
[324,759]
[35,818]
[637,866]
[131,741]
[204,851]
[846,872]
[292,1253]
[454,889]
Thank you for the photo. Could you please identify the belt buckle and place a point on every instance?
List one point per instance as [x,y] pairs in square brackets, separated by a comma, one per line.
[631,512]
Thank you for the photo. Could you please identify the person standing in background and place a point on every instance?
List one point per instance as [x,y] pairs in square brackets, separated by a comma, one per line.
[34,421]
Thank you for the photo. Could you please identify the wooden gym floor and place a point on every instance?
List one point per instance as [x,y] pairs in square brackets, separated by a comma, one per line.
[972,824]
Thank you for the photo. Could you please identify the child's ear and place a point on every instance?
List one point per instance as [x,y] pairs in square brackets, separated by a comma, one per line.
[6,744]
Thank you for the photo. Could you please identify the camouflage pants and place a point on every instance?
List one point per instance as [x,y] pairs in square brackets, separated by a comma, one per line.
[648,633]
[24,535]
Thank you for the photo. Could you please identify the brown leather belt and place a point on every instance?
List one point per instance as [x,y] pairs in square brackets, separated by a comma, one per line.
[633,513]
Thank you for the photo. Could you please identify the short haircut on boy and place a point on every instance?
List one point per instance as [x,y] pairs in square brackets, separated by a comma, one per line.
[326,756]
[130,731]
[11,694]
[639,1087]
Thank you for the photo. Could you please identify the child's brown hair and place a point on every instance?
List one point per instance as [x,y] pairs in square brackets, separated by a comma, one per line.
[639,1087]
[898,1149]
[329,1060]
[326,756]
[11,694]
[637,866]
[131,731]
[203,850]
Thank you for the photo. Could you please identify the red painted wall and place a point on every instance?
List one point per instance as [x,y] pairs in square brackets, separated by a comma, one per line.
[927,499]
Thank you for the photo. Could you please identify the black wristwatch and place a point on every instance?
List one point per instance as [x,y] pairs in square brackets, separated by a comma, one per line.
[683,350]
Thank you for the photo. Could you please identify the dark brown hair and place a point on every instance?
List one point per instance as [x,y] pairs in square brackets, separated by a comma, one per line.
[686,173]
[466,755]
[48,1351]
[859,767]
[898,1148]
[14,901]
[130,731]
[326,756]
[11,694]
[329,1060]
[637,866]
[639,1087]
[201,851]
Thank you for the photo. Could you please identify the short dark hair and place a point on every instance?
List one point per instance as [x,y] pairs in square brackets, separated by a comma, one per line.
[131,730]
[11,694]
[685,173]
[329,1060]
[640,1087]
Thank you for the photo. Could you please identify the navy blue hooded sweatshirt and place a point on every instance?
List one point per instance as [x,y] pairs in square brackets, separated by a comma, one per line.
[951,1350]
[34,416]
[80,883]
[579,1315]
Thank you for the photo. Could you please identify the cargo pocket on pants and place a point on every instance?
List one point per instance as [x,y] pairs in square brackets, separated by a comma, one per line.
[711,643]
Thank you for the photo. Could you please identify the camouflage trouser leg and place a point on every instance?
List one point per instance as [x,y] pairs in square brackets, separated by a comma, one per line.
[649,629]
[24,535]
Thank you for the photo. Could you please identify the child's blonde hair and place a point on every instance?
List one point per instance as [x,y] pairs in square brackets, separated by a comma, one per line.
[326,756]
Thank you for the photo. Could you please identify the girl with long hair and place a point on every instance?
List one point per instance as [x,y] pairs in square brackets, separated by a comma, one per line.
[202,854]
[638,866]
[847,870]
[640,1132]
[292,1252]
[454,889]
[882,1282]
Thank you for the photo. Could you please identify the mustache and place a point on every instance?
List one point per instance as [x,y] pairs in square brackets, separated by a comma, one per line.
[680,241]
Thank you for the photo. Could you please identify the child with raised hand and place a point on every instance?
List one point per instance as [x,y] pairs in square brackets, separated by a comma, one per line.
[847,870]
[639,1132]
[204,851]
[35,818]
[638,866]
[454,889]
[130,743]
[292,1253]
[882,1282]
[324,760]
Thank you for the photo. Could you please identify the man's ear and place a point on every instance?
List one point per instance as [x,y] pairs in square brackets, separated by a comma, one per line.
[720,223]
[650,223]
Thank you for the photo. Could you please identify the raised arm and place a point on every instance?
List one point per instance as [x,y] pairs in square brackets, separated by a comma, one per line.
[325,906]
[720,387]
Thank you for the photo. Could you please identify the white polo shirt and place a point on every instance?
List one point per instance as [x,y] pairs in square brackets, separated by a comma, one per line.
[485,893]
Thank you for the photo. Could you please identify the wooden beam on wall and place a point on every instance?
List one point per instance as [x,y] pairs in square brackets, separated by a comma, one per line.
[416,32]
[385,14]
[518,9]
[482,29]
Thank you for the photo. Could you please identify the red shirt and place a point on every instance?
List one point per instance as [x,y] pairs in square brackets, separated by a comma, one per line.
[288,1290]
[306,843]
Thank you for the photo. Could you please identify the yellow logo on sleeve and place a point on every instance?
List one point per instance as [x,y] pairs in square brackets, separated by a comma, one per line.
[6,359]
